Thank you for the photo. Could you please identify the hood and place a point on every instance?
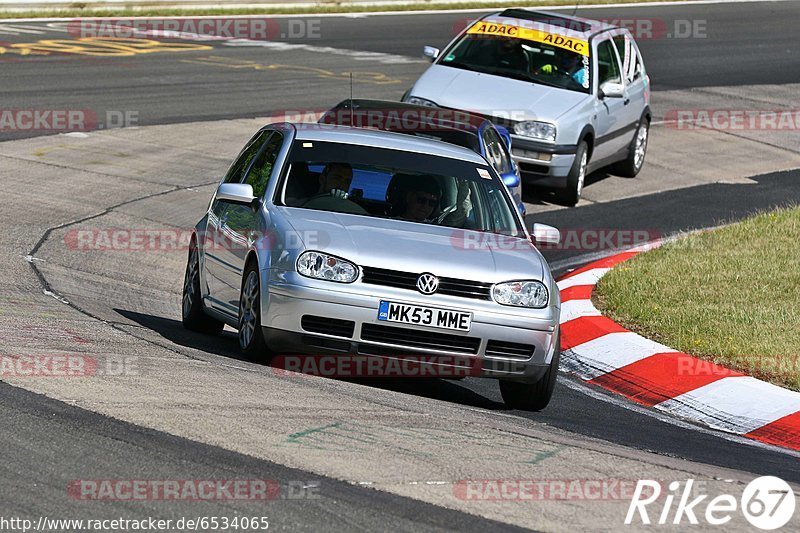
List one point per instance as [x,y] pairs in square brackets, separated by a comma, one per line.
[413,247]
[489,94]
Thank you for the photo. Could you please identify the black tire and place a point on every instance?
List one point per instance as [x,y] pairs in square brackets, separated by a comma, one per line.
[193,315]
[571,195]
[532,396]
[251,336]
[630,167]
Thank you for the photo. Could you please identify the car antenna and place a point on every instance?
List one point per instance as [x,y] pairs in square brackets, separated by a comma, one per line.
[351,98]
[576,7]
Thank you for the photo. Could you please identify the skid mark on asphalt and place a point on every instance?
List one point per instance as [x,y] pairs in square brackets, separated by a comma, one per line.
[376,78]
[420,442]
[17,29]
[97,47]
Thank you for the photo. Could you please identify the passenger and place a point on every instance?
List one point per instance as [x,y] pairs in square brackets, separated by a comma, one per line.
[336,177]
[511,55]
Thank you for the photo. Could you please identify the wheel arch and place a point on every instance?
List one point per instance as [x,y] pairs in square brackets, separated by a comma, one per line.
[588,135]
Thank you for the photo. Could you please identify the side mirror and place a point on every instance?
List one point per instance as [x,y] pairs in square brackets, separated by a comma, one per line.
[238,193]
[430,52]
[544,234]
[505,136]
[611,90]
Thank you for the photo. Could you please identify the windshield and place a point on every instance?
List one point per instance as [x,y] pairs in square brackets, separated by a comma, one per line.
[385,183]
[530,55]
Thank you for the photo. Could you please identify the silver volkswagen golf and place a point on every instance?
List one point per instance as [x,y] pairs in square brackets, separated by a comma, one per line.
[574,92]
[343,241]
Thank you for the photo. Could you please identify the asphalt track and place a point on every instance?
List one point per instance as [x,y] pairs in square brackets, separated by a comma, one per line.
[50,443]
[740,44]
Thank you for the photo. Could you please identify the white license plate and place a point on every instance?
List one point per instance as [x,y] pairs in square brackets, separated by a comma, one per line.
[424,316]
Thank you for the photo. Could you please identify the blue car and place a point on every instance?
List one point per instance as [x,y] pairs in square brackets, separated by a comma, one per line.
[456,127]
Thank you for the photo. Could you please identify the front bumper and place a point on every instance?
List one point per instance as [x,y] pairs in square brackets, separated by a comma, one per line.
[290,298]
[542,162]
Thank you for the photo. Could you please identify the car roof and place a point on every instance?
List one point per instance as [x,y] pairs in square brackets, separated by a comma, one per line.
[566,25]
[381,139]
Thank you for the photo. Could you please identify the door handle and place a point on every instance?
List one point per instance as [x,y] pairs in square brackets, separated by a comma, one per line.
[626,101]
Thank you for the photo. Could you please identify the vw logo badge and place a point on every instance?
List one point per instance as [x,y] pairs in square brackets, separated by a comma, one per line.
[427,283]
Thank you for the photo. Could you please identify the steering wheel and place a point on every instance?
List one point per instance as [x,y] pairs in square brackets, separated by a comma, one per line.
[333,193]
[439,219]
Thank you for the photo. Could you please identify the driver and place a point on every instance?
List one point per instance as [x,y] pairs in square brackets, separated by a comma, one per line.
[422,199]
[421,202]
[570,65]
[334,182]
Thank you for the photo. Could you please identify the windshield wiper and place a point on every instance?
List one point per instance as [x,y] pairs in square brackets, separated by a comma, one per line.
[462,65]
[547,83]
[511,73]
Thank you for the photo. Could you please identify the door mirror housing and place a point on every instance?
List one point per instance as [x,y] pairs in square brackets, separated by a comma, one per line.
[430,52]
[544,234]
[237,193]
[611,90]
[504,135]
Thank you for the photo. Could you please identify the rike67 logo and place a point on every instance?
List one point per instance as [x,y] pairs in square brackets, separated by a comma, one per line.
[767,502]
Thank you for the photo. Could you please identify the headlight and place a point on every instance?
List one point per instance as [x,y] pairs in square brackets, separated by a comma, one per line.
[521,294]
[420,101]
[536,130]
[323,266]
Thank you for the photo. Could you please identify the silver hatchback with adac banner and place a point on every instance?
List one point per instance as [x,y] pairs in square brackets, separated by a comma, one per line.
[574,93]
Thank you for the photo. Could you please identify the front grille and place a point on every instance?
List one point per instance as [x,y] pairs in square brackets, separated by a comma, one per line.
[408,280]
[415,338]
[514,350]
[328,326]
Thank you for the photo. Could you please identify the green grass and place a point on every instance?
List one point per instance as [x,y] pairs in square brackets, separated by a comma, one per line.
[731,296]
[324,7]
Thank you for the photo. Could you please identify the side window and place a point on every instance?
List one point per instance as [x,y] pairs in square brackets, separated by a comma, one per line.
[495,152]
[259,173]
[631,64]
[234,174]
[607,63]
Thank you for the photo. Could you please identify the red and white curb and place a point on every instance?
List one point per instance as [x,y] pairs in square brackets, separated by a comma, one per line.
[603,353]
